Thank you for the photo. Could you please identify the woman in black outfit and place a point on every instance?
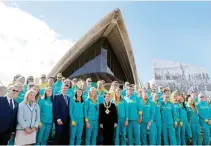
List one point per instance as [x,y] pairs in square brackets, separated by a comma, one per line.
[108,120]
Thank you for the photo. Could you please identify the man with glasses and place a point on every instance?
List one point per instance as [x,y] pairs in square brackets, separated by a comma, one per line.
[43,82]
[204,111]
[8,114]
[58,84]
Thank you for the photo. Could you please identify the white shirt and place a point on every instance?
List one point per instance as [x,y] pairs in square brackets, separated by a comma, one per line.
[8,99]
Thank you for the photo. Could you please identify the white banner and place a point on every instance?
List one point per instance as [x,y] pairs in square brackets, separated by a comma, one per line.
[181,77]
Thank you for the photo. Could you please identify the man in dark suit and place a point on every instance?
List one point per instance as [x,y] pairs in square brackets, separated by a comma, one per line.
[8,115]
[61,117]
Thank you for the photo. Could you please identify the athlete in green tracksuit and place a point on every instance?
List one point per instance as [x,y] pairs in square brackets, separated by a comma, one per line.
[156,128]
[122,110]
[184,124]
[76,110]
[148,112]
[193,119]
[91,113]
[46,117]
[177,107]
[168,116]
[134,116]
[204,111]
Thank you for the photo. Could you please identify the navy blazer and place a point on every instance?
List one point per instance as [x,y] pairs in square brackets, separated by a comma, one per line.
[8,117]
[60,108]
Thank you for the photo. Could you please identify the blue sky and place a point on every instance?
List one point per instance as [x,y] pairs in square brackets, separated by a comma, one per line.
[175,31]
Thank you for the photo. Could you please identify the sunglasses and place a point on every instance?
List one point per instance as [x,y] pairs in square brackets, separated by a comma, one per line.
[59,77]
[43,77]
[15,90]
[202,97]
[31,85]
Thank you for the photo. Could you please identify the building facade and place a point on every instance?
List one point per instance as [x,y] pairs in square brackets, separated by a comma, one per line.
[103,53]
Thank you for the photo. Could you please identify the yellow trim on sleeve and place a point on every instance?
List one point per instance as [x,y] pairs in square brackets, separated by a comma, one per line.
[86,120]
[73,123]
[206,120]
[140,113]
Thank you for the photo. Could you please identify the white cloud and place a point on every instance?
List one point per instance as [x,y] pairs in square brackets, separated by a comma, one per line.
[27,45]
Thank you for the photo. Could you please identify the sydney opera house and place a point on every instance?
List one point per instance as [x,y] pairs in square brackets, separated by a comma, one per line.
[103,53]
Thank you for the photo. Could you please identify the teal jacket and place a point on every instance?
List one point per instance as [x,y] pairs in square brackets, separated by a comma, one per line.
[101,96]
[91,110]
[57,87]
[122,108]
[148,111]
[123,92]
[85,95]
[168,113]
[46,110]
[100,99]
[76,110]
[193,117]
[70,93]
[157,116]
[183,114]
[20,97]
[178,112]
[204,111]
[134,107]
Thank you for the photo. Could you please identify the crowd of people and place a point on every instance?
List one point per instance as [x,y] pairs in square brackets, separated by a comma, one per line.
[70,114]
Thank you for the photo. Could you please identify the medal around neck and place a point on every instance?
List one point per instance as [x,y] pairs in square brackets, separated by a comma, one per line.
[107,111]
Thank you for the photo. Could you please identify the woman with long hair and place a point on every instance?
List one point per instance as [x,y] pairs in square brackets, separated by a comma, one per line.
[174,101]
[36,88]
[184,124]
[100,92]
[76,110]
[168,117]
[114,86]
[122,110]
[46,117]
[91,113]
[193,119]
[28,120]
[108,120]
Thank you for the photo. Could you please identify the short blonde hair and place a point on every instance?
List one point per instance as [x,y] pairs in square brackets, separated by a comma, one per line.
[27,94]
[92,88]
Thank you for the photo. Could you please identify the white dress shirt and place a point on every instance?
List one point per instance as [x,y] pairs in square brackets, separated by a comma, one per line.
[8,99]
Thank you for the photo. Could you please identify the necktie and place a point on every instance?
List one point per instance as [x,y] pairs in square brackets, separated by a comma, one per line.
[65,97]
[11,105]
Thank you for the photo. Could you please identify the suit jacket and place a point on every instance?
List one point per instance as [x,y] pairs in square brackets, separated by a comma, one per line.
[60,108]
[8,117]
